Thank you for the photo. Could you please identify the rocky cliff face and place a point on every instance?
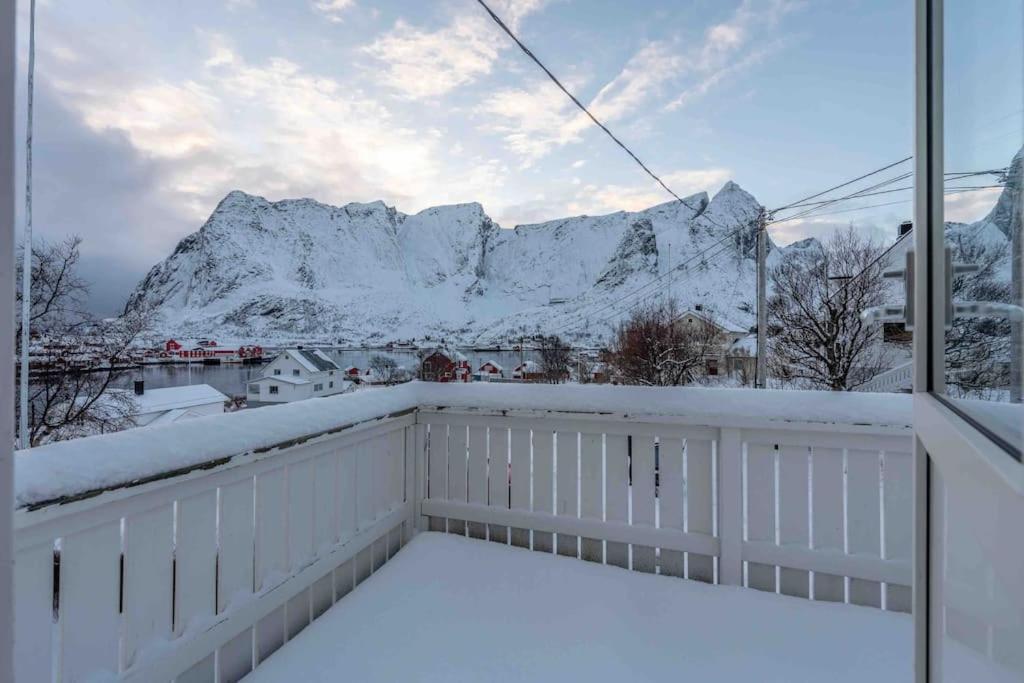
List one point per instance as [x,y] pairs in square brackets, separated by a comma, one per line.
[366,273]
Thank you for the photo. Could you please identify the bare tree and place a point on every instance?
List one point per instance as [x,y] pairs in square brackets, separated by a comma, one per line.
[83,355]
[654,348]
[978,350]
[817,335]
[555,357]
[385,368]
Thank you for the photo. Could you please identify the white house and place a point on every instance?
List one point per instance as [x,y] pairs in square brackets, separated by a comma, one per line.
[295,375]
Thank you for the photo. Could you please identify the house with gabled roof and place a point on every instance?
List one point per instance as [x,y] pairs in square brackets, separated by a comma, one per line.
[445,365]
[297,374]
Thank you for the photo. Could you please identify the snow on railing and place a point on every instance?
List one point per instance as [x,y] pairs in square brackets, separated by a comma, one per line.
[203,546]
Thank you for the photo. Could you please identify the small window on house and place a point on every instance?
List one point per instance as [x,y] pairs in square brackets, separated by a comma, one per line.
[896,333]
[318,387]
[277,371]
[712,366]
[332,373]
[330,385]
[295,373]
[274,389]
[254,388]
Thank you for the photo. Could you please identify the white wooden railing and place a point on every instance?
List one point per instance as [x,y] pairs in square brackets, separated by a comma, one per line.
[201,575]
[899,378]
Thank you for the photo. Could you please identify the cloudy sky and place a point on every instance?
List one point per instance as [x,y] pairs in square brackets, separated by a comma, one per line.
[148,113]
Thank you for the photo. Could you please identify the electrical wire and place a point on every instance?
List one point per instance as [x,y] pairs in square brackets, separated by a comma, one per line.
[554,79]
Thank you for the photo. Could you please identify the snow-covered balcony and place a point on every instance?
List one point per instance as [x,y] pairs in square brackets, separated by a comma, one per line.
[195,551]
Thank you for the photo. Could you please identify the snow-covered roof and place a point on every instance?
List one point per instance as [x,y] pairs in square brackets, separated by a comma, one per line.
[451,354]
[313,360]
[528,366]
[746,344]
[281,378]
[170,416]
[493,365]
[171,398]
[716,320]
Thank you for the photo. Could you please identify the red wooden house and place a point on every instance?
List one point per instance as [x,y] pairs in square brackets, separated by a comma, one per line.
[445,366]
[490,370]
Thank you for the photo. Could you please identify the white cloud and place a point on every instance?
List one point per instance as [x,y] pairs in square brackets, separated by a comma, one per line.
[732,46]
[579,163]
[593,199]
[421,63]
[333,9]
[271,128]
[967,207]
[642,77]
[535,120]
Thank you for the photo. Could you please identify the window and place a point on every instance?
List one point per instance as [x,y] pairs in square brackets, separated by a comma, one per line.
[295,373]
[274,389]
[712,366]
[896,333]
[332,373]
[318,387]
[254,389]
[330,385]
[277,371]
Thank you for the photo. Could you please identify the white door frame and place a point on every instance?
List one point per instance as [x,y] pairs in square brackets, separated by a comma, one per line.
[944,439]
[7,217]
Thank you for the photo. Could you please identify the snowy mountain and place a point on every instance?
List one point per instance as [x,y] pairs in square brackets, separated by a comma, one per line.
[366,273]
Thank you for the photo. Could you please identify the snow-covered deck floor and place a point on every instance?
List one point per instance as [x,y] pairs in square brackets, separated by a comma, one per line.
[448,608]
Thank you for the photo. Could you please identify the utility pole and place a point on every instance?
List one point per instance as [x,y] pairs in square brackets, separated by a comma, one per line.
[26,251]
[762,300]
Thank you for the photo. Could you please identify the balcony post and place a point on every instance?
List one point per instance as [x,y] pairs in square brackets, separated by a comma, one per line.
[730,507]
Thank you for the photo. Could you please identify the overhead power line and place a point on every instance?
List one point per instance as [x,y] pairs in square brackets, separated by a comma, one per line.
[575,101]
[848,182]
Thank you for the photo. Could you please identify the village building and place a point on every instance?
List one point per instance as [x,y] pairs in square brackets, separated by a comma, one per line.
[445,365]
[206,351]
[735,348]
[528,371]
[295,375]
[489,371]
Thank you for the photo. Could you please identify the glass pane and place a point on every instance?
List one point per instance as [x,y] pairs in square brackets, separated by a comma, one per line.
[983,138]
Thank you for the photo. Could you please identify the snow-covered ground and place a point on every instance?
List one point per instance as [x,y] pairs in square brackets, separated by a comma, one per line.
[452,609]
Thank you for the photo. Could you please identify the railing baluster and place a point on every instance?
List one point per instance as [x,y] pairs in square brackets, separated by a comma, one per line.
[760,484]
[863,524]
[519,496]
[617,494]
[699,505]
[498,478]
[793,519]
[591,492]
[643,500]
[670,500]
[566,482]
[827,504]
[543,484]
